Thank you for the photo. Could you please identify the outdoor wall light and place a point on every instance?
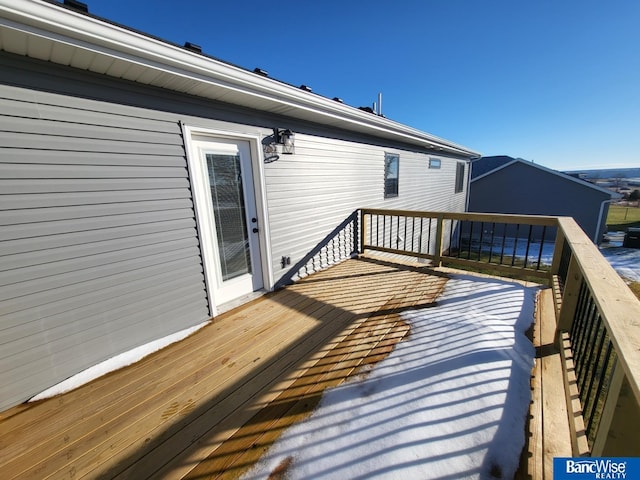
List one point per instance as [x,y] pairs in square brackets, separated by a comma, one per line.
[286,138]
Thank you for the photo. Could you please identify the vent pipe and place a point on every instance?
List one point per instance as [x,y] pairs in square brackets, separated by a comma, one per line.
[76,5]
[380,103]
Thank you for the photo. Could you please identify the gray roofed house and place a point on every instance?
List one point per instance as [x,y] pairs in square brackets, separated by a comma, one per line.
[502,184]
[487,164]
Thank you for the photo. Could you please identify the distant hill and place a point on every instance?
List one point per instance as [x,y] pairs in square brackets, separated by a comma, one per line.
[608,173]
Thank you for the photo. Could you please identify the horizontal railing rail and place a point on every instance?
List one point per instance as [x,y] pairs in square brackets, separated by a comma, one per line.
[598,316]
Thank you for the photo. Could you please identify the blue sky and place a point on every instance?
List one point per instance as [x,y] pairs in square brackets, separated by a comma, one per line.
[553,81]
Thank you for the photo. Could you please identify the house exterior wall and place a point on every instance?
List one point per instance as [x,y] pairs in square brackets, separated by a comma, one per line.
[313,191]
[99,246]
[527,190]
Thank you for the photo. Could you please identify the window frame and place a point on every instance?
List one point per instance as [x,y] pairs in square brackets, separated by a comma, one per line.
[460,171]
[435,163]
[391,188]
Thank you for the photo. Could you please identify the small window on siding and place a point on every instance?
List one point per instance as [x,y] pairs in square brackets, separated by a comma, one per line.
[391,174]
[459,177]
[434,163]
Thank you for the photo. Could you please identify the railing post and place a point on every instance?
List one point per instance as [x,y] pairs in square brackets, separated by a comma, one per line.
[555,280]
[617,433]
[363,230]
[357,219]
[569,297]
[557,251]
[437,260]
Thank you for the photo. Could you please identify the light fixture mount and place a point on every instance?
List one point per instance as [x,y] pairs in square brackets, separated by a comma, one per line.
[286,138]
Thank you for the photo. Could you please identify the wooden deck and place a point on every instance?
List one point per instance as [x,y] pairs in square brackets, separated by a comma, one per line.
[209,406]
[548,433]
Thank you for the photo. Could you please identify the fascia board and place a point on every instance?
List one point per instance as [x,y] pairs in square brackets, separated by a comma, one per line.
[58,24]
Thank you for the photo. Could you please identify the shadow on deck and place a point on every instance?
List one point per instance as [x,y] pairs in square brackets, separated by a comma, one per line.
[210,405]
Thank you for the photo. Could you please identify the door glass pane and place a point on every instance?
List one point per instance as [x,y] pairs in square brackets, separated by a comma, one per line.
[227,198]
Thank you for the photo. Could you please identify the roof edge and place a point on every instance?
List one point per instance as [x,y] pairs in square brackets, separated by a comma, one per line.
[548,170]
[51,21]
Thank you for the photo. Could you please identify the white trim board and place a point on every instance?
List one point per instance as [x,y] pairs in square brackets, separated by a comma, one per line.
[197,176]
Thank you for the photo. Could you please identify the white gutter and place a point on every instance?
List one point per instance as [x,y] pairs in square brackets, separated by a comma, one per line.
[60,25]
[468,199]
[597,234]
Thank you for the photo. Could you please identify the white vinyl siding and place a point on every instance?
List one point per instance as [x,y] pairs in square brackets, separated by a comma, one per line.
[99,249]
[312,192]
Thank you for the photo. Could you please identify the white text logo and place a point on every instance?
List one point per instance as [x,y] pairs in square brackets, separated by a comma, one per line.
[601,469]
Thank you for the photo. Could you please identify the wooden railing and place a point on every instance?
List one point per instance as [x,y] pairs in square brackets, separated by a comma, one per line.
[599,332]
[598,317]
[517,244]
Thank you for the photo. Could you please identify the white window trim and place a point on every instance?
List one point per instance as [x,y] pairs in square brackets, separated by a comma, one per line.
[462,179]
[397,156]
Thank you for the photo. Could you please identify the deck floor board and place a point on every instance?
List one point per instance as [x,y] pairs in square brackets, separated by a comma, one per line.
[548,434]
[207,406]
[211,404]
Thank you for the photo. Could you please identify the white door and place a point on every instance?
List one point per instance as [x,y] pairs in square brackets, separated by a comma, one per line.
[228,221]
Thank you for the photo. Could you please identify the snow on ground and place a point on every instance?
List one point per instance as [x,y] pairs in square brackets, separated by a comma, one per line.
[114,363]
[537,250]
[625,261]
[509,247]
[448,403]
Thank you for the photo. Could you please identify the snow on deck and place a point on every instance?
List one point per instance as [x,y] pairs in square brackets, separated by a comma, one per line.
[114,363]
[448,403]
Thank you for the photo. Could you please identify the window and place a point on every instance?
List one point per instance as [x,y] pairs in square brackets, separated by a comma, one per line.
[391,169]
[434,163]
[459,177]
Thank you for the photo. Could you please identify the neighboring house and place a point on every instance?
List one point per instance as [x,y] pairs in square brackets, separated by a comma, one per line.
[503,184]
[146,186]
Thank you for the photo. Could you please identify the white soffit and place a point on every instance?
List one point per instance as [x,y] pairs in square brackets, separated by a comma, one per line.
[50,32]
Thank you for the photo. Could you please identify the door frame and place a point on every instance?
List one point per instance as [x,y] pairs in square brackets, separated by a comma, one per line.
[198,179]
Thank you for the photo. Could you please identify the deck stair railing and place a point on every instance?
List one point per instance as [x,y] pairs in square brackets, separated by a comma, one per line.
[598,317]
